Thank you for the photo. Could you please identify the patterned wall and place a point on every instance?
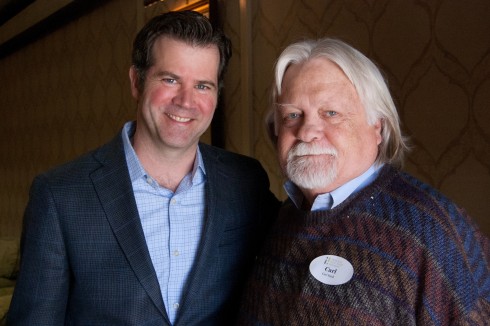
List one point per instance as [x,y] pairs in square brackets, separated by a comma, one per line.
[436,57]
[68,92]
[62,95]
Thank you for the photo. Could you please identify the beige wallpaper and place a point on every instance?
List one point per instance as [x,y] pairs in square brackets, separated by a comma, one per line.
[436,57]
[68,92]
[62,95]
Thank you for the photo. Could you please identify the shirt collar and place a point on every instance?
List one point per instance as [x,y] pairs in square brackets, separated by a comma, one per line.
[338,195]
[136,170]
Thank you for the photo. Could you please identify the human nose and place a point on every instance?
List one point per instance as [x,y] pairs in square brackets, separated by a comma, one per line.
[183,96]
[309,130]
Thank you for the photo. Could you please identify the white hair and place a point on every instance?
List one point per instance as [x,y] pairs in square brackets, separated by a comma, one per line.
[367,80]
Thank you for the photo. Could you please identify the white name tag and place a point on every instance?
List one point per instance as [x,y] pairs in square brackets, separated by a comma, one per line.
[331,270]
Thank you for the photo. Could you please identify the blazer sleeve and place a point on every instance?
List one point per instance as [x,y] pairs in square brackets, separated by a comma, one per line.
[269,205]
[41,291]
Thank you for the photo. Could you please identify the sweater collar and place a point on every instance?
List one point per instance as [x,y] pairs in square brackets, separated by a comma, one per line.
[322,201]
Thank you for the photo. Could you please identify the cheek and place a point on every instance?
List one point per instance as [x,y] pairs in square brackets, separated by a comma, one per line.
[361,145]
[204,103]
[155,96]
[208,105]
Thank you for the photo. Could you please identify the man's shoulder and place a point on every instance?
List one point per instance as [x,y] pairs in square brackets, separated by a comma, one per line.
[406,183]
[419,203]
[226,157]
[85,163]
[222,164]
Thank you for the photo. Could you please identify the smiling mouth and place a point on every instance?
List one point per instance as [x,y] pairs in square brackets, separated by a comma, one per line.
[177,118]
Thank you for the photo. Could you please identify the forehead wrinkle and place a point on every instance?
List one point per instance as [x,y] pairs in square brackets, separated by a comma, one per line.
[319,84]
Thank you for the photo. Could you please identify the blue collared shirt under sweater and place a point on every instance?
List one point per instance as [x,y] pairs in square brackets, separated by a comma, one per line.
[336,197]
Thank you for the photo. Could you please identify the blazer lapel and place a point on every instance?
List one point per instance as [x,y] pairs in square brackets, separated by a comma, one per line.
[113,186]
[212,233]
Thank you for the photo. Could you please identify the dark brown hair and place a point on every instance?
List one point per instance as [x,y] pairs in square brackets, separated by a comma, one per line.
[188,26]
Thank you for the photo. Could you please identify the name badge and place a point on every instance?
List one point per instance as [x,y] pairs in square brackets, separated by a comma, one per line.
[331,270]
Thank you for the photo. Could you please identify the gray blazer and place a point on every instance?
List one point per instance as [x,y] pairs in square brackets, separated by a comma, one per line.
[84,259]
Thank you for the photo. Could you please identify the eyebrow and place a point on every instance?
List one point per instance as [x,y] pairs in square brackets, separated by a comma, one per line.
[284,105]
[165,73]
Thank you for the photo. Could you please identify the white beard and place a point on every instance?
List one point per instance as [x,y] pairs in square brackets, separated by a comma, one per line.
[315,171]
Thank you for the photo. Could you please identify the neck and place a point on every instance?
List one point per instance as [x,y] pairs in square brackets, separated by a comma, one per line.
[168,167]
[169,173]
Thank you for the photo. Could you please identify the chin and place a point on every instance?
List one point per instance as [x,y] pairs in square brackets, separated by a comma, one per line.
[313,178]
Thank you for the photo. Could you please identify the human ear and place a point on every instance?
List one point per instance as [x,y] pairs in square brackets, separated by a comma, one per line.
[133,78]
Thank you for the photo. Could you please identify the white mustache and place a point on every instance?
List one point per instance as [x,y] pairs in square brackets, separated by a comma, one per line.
[302,149]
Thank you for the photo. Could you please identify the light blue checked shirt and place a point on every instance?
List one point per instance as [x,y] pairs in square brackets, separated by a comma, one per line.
[336,197]
[172,222]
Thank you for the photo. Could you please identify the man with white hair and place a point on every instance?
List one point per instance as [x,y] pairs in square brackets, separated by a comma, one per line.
[358,241]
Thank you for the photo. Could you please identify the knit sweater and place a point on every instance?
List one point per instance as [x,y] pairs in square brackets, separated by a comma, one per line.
[417,259]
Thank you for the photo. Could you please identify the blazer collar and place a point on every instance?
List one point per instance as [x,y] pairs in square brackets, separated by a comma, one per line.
[113,186]
[216,172]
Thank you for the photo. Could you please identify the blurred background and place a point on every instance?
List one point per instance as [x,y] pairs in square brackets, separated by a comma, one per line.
[65,88]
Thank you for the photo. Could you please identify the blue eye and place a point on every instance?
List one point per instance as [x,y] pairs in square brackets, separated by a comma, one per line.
[202,87]
[169,80]
[293,116]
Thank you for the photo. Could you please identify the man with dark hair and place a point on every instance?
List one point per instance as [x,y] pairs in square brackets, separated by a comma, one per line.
[153,228]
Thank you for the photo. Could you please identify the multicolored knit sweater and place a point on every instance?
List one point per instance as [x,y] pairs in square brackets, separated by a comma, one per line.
[417,259]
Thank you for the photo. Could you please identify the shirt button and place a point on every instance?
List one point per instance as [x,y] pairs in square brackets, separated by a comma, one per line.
[176,305]
[173,201]
[176,253]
